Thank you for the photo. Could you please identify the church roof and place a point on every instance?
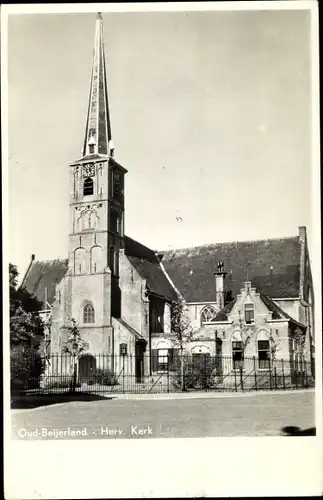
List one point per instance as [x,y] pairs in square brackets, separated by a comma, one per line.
[43,275]
[273,266]
[146,262]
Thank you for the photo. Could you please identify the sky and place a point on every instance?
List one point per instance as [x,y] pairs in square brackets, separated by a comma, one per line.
[210,112]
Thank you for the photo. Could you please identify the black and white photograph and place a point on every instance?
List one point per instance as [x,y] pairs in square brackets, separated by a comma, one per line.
[162,227]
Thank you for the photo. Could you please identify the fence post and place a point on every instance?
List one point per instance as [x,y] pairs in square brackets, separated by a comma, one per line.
[235,379]
[255,370]
[123,373]
[205,373]
[283,374]
[275,376]
[241,380]
[306,374]
[270,377]
[167,371]
[302,372]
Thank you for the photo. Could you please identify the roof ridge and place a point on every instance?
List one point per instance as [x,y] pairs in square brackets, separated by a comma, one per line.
[284,313]
[205,245]
[263,295]
[60,259]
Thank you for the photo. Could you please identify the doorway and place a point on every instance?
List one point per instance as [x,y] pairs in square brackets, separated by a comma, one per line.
[87,367]
[140,350]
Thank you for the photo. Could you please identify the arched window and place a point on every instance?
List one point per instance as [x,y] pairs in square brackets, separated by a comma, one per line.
[88,186]
[96,259]
[89,220]
[208,313]
[79,261]
[88,314]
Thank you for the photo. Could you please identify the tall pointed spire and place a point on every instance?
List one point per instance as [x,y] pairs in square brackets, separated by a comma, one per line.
[98,138]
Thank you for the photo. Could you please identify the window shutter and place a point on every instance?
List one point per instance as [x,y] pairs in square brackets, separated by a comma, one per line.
[154,360]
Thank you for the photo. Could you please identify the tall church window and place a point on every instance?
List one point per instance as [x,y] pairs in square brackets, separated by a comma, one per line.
[79,261]
[96,259]
[88,186]
[115,220]
[208,313]
[88,314]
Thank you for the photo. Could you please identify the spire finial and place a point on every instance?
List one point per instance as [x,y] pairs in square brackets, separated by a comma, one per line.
[98,119]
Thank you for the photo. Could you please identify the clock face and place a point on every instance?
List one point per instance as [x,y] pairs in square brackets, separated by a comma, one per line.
[88,170]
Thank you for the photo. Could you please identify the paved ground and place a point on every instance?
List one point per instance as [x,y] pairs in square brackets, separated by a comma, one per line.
[255,415]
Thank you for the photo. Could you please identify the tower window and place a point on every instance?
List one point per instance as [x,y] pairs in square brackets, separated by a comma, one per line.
[88,186]
[115,220]
[112,259]
[88,314]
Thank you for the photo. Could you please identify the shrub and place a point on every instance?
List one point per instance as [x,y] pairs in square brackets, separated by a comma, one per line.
[198,373]
[105,377]
[59,382]
[26,368]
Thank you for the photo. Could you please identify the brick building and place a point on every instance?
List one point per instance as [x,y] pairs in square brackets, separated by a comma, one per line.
[121,292]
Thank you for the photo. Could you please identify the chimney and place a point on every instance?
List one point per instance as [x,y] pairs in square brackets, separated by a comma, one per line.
[220,275]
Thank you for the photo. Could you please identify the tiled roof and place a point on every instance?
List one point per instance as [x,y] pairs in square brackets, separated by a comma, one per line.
[277,312]
[223,314]
[147,264]
[191,269]
[45,274]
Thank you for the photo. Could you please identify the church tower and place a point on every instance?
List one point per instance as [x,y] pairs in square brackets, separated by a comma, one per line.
[96,212]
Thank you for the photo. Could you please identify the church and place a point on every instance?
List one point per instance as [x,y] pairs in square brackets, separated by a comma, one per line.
[121,293]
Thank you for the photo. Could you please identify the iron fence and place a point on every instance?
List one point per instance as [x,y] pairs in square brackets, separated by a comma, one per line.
[146,374]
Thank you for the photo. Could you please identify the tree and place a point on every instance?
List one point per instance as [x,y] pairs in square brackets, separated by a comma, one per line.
[183,332]
[300,349]
[274,343]
[26,333]
[26,367]
[75,346]
[26,327]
